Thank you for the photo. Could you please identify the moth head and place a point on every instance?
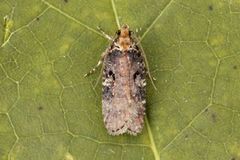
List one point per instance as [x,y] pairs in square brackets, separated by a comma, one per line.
[124,31]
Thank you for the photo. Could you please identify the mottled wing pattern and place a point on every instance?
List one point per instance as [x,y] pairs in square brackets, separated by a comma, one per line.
[138,88]
[124,91]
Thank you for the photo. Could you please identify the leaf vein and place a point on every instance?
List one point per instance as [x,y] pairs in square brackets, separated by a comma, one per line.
[187,126]
[152,145]
[156,19]
[22,27]
[72,18]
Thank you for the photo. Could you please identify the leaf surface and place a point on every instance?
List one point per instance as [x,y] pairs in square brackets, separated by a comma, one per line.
[48,110]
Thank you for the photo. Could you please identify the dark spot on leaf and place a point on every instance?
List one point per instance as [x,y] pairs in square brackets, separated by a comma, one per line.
[210,7]
[214,117]
[233,158]
[66,1]
[37,18]
[40,108]
[235,67]
[206,110]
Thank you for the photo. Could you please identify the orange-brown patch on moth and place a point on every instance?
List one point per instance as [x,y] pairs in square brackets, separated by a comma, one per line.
[124,38]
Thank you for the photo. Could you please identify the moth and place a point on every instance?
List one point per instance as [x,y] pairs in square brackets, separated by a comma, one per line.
[123,84]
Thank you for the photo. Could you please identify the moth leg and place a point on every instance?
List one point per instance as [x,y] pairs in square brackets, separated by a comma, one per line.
[98,64]
[105,34]
[99,77]
[152,79]
[149,74]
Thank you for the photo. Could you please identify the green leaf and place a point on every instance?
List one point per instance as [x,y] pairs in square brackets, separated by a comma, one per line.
[48,110]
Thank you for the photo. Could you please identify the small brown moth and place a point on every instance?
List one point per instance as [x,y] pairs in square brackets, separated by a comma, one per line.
[124,84]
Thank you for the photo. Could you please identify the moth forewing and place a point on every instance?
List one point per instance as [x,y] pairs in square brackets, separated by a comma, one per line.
[123,84]
[124,81]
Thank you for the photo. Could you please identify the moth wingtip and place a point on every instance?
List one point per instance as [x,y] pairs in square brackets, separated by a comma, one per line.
[115,133]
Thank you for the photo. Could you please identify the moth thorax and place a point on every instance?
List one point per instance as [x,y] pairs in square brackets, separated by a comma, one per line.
[124,43]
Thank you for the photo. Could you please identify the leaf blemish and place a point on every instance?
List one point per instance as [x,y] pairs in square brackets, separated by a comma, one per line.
[40,108]
[8,24]
[37,18]
[66,1]
[235,67]
[210,7]
[214,117]
[68,156]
